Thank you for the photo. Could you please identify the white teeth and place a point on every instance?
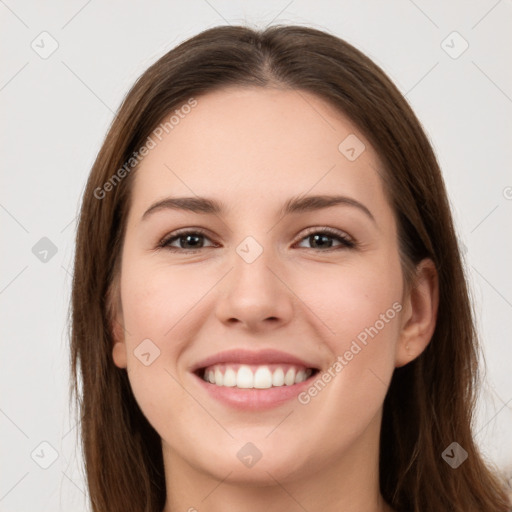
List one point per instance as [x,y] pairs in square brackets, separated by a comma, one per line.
[300,377]
[229,378]
[263,377]
[289,378]
[244,378]
[278,377]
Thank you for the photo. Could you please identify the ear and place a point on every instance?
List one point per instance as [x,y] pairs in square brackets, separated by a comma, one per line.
[119,348]
[419,314]
[116,326]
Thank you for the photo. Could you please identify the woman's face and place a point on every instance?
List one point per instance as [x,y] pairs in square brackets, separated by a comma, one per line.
[258,294]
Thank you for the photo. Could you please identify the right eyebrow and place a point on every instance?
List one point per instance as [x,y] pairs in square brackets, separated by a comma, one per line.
[191,204]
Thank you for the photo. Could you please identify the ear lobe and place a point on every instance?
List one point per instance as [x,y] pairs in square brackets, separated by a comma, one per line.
[420,314]
[119,348]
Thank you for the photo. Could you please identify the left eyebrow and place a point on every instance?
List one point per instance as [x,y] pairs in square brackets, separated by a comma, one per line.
[299,204]
[302,204]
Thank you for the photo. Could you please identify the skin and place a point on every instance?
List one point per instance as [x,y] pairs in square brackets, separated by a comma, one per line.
[252,149]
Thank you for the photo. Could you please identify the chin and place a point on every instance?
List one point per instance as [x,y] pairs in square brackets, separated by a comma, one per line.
[245,465]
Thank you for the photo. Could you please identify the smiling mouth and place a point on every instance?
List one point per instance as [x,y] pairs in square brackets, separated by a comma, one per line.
[245,376]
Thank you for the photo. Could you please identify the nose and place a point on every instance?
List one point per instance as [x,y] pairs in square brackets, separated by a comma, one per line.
[255,294]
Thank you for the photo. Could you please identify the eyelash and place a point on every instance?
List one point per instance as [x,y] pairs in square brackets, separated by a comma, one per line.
[346,241]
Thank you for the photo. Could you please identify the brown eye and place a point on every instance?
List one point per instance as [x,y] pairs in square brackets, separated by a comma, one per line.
[186,240]
[321,239]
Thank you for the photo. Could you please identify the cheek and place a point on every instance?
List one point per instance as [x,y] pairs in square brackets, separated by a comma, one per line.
[156,299]
[350,301]
[360,307]
[341,301]
[365,318]
[363,311]
[156,309]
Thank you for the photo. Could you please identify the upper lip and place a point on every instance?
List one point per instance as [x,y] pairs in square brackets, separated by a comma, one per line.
[241,356]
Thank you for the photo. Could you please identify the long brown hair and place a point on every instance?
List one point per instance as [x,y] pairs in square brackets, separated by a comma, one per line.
[430,401]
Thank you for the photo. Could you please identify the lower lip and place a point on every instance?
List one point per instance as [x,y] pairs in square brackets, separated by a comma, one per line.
[254,399]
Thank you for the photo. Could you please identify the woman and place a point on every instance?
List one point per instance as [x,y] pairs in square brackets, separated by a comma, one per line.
[269,307]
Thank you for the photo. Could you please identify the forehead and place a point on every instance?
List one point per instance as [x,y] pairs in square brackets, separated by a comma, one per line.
[246,145]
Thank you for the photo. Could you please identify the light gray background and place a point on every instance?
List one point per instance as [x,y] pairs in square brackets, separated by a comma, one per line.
[55,113]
